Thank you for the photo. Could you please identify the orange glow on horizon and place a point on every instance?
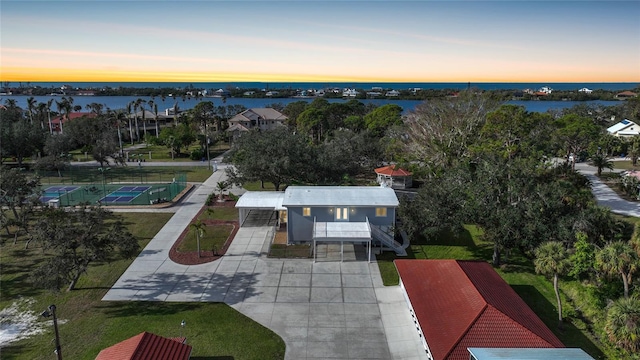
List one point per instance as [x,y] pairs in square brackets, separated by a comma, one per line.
[24,74]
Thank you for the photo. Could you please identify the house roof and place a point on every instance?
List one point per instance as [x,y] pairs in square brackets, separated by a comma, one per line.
[622,125]
[238,127]
[392,170]
[528,354]
[254,114]
[261,200]
[72,116]
[627,93]
[147,346]
[339,196]
[462,304]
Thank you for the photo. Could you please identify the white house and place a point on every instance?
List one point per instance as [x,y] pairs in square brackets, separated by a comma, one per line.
[392,93]
[585,90]
[350,93]
[625,128]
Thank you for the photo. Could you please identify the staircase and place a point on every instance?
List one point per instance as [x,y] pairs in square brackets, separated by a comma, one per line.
[387,240]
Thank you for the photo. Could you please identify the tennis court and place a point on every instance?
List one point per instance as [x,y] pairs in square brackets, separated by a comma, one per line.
[124,194]
[55,192]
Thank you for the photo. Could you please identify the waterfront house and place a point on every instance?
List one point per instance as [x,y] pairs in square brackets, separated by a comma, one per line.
[58,122]
[256,118]
[625,128]
[458,305]
[585,90]
[626,95]
[392,93]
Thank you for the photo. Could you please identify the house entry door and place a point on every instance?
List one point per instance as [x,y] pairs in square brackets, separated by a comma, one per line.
[342,214]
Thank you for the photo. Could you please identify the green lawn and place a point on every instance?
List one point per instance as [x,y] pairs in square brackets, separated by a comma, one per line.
[518,272]
[256,186]
[226,213]
[87,324]
[214,236]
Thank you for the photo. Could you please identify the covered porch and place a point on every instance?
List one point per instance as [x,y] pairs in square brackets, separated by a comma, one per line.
[341,232]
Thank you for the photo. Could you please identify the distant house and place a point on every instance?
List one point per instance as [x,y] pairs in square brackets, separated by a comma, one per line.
[392,93]
[271,93]
[85,93]
[350,93]
[147,346]
[626,95]
[585,90]
[394,177]
[331,214]
[221,93]
[625,128]
[458,305]
[545,89]
[58,122]
[255,118]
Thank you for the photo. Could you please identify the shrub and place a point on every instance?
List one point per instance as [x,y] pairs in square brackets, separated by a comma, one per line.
[197,154]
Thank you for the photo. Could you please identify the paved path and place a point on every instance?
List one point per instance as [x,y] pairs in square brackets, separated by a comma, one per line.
[607,197]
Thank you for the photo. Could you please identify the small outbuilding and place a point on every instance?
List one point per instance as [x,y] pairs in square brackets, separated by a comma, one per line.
[148,346]
[394,177]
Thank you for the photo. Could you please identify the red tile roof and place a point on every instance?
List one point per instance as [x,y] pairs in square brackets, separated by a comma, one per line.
[72,116]
[147,346]
[392,170]
[462,304]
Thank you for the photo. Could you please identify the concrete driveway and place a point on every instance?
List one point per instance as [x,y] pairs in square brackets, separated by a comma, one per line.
[323,310]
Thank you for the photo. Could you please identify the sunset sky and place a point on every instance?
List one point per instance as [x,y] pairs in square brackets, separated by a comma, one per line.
[414,41]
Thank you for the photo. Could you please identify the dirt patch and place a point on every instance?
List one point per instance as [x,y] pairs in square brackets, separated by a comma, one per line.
[191,257]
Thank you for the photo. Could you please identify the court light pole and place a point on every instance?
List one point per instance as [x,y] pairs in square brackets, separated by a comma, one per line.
[51,312]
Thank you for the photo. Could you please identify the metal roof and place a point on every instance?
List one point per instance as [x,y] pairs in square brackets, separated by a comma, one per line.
[261,200]
[342,231]
[528,354]
[620,126]
[339,196]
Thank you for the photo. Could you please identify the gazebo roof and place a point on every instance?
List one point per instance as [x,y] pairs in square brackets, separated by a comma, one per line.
[392,170]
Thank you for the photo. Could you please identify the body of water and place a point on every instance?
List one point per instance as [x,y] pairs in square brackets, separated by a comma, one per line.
[342,85]
[120,102]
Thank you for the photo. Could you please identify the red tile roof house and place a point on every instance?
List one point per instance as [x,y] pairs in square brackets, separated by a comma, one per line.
[147,346]
[57,123]
[465,304]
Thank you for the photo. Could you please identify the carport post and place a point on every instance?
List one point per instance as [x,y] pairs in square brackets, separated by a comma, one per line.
[314,250]
[341,250]
[369,249]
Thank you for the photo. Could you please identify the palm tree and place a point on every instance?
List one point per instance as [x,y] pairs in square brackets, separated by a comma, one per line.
[129,105]
[198,227]
[618,258]
[64,108]
[42,109]
[551,260]
[31,106]
[138,105]
[623,324]
[221,187]
[49,103]
[601,161]
[155,111]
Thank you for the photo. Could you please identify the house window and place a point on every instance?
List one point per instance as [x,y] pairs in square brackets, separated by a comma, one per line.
[306,211]
[381,212]
[342,213]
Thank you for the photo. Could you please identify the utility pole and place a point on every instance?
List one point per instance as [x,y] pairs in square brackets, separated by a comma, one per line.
[51,312]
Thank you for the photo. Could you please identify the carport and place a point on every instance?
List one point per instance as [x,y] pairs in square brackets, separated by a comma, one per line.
[256,203]
[341,232]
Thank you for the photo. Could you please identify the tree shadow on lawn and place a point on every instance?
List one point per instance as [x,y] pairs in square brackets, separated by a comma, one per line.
[570,335]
